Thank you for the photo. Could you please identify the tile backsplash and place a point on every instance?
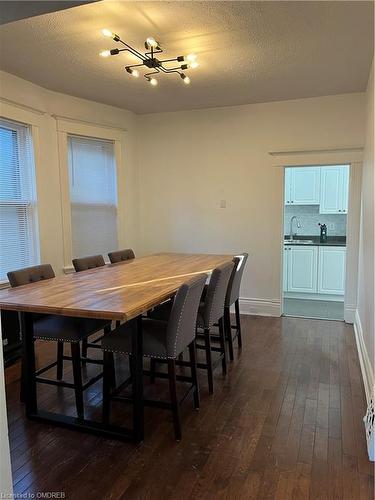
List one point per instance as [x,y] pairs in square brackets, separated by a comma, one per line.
[309,218]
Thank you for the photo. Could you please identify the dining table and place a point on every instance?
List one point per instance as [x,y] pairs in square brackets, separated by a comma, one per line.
[117,292]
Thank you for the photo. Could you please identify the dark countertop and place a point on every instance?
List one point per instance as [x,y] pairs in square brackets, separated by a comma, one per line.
[332,241]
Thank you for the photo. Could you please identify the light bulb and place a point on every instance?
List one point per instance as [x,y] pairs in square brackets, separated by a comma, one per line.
[107,33]
[185,78]
[110,34]
[191,57]
[133,72]
[153,81]
[105,53]
[193,64]
[152,42]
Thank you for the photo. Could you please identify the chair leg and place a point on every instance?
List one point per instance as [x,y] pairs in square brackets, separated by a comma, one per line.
[152,370]
[60,360]
[228,332]
[222,346]
[194,375]
[238,323]
[174,401]
[108,369]
[77,377]
[22,382]
[207,342]
[84,350]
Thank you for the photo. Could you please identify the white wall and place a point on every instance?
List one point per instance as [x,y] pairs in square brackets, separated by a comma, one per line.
[366,276]
[194,159]
[50,104]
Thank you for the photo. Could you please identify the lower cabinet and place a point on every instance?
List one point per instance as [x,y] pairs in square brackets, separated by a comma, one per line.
[302,269]
[331,274]
[314,269]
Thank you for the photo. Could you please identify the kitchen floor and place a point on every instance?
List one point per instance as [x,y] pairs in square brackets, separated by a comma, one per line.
[321,309]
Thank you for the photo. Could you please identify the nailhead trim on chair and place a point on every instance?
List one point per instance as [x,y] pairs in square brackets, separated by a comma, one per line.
[144,355]
[56,339]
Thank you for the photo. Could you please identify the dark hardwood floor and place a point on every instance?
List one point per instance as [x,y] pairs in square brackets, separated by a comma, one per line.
[286,423]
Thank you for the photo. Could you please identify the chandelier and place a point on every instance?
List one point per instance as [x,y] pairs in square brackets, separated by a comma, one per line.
[150,61]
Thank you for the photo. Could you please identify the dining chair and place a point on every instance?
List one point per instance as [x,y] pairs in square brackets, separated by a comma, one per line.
[84,264]
[210,313]
[161,341]
[232,297]
[121,255]
[59,329]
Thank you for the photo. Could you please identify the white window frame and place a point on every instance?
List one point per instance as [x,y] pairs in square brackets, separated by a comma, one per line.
[66,127]
[33,120]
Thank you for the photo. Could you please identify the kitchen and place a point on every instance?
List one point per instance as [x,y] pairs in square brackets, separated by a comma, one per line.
[314,256]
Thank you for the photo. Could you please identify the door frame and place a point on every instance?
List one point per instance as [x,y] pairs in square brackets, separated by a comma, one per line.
[340,156]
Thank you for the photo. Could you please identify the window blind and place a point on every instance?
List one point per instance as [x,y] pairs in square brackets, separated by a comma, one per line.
[18,217]
[93,196]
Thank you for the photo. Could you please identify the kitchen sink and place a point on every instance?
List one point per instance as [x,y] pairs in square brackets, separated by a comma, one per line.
[298,242]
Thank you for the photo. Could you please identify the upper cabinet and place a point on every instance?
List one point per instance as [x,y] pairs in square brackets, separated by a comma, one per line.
[302,186]
[334,189]
[327,187]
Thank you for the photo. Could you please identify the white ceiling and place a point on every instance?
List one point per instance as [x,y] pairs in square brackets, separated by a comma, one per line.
[248,51]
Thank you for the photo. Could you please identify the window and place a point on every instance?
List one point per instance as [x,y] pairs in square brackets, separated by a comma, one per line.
[18,218]
[93,198]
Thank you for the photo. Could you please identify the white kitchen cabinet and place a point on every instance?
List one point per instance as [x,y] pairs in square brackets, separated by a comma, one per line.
[331,274]
[302,186]
[345,188]
[302,269]
[334,187]
[285,267]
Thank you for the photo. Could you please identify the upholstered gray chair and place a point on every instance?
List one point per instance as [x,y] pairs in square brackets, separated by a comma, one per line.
[85,263]
[210,312]
[121,255]
[59,329]
[232,297]
[161,341]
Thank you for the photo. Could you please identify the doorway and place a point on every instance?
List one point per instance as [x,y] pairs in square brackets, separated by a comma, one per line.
[314,241]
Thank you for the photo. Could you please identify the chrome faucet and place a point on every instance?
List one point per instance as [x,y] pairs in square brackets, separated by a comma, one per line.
[291,235]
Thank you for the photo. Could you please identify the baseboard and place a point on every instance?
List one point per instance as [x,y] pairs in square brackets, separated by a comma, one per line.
[349,314]
[260,307]
[364,360]
[314,296]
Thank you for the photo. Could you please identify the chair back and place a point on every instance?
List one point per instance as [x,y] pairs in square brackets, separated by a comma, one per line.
[121,255]
[233,292]
[215,296]
[85,263]
[30,275]
[182,321]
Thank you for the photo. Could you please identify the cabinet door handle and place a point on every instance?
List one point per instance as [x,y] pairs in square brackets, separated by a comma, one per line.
[292,202]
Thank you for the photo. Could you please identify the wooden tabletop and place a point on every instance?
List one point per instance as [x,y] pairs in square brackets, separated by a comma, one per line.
[116,291]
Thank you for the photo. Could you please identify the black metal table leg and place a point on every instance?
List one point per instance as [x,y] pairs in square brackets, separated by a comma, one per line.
[138,407]
[28,359]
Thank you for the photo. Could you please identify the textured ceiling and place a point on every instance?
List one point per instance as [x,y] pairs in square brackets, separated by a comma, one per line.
[248,51]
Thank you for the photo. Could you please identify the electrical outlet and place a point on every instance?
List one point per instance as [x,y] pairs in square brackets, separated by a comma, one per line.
[223,203]
[331,226]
